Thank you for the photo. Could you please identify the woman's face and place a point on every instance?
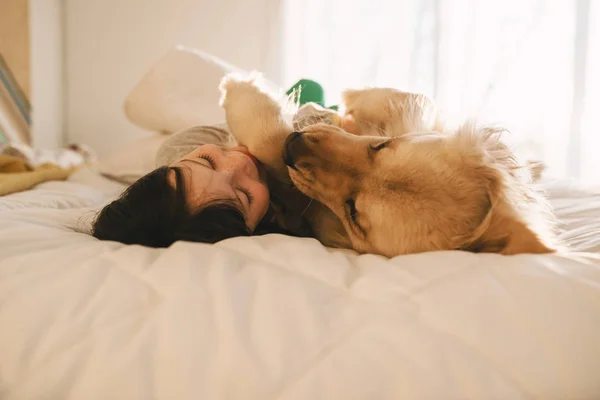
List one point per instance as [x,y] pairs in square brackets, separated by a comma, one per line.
[213,172]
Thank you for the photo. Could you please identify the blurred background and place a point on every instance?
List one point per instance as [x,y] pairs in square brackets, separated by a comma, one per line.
[529,65]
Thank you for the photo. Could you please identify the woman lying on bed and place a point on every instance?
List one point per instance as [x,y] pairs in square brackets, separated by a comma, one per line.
[206,189]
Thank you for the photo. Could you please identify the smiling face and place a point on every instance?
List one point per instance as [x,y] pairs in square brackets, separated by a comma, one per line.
[219,174]
[394,196]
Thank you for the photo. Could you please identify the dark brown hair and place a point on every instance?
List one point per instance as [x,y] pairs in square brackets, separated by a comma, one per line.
[151,212]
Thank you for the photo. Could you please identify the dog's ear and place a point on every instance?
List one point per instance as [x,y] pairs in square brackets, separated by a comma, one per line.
[506,231]
[517,220]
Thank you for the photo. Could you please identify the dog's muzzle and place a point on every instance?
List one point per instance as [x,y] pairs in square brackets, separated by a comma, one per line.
[292,147]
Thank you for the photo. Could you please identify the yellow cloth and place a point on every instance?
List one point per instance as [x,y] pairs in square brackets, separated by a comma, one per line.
[17,175]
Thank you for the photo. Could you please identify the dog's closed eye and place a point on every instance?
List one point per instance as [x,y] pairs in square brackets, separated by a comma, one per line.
[351,206]
[379,146]
[353,215]
[375,147]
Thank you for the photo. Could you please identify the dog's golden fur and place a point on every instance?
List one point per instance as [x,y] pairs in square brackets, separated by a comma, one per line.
[392,179]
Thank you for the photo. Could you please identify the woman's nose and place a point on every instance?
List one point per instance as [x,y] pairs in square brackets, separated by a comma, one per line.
[235,164]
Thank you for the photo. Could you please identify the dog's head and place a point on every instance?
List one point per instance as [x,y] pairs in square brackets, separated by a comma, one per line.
[419,192]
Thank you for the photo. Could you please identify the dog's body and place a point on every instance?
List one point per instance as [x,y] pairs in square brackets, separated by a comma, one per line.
[390,179]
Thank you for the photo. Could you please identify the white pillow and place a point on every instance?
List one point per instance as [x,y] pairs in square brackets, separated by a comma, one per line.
[133,161]
[179,91]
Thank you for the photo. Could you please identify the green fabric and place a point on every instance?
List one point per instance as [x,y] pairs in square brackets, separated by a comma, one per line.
[309,91]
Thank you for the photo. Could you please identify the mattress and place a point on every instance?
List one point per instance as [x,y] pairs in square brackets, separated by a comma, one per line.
[276,317]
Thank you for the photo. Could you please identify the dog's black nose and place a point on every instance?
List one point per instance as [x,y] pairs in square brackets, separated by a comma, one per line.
[291,143]
[293,137]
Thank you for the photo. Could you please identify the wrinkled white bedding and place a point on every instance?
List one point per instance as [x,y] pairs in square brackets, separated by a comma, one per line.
[283,318]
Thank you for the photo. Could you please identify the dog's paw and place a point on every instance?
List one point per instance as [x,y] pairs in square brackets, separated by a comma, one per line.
[234,88]
[386,112]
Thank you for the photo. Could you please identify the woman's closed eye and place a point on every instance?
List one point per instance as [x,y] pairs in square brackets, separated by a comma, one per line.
[210,160]
[248,195]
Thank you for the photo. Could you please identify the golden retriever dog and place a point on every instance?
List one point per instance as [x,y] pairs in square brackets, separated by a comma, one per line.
[389,178]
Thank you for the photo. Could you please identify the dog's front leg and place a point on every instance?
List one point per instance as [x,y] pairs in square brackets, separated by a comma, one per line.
[256,120]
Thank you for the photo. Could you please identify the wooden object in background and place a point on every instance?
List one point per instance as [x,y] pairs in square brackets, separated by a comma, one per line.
[15,110]
[15,42]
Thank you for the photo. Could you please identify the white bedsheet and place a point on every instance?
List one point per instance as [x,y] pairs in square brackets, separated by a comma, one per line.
[283,318]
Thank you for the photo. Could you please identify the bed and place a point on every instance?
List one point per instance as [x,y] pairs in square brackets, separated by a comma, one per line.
[276,317]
